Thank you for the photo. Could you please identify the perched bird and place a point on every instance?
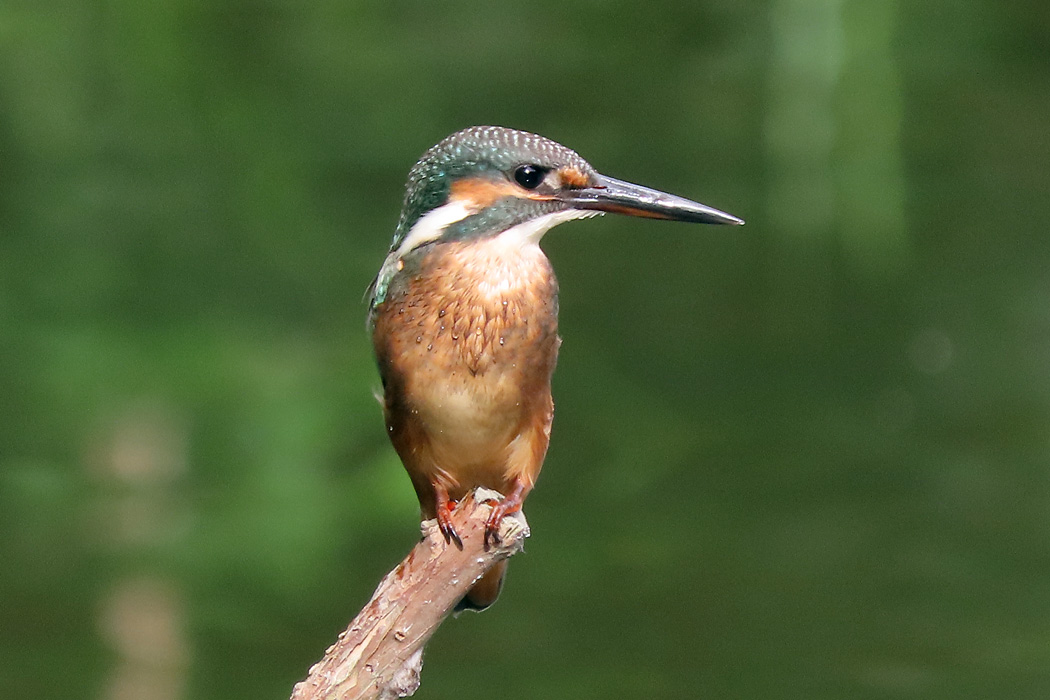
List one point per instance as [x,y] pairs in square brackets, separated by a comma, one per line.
[464,313]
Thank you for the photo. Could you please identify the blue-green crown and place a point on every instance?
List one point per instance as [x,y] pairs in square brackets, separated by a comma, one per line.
[471,151]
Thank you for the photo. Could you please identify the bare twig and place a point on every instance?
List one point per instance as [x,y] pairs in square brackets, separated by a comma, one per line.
[380,654]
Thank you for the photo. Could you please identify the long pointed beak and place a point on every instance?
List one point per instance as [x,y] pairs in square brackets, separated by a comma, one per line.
[612,195]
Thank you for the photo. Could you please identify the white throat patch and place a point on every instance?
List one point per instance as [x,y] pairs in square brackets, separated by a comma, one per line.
[532,231]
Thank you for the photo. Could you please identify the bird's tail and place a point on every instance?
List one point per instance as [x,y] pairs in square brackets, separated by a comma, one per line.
[485,590]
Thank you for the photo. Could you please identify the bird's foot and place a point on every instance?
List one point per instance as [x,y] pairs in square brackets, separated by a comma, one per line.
[444,519]
[500,510]
[511,503]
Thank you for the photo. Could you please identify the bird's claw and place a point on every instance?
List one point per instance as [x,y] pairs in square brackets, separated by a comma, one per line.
[448,530]
[499,511]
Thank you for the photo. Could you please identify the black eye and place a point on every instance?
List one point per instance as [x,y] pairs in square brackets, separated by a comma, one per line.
[529,176]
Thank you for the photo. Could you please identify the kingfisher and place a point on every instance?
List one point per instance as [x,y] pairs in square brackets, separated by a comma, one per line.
[464,314]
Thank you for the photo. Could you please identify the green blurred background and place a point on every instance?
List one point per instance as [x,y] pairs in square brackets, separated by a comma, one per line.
[803,459]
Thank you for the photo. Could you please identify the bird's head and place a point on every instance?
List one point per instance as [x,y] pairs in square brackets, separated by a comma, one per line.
[489,180]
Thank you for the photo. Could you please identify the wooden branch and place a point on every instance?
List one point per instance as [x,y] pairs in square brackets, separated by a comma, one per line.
[380,654]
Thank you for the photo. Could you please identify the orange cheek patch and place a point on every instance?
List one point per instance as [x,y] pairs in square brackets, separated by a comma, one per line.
[571,177]
[481,192]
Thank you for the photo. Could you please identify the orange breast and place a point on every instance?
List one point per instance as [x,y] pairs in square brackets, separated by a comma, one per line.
[466,346]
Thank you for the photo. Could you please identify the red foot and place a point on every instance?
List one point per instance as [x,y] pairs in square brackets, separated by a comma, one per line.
[511,504]
[499,511]
[445,506]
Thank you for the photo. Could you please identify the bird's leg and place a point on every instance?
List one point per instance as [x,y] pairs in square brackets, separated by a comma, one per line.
[511,503]
[445,506]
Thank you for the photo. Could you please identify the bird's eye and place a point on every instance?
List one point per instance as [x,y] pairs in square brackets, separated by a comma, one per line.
[529,176]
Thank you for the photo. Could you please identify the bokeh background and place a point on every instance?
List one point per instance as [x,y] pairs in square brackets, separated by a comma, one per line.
[803,459]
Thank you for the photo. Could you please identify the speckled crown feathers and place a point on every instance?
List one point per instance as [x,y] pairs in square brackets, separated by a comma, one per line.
[475,149]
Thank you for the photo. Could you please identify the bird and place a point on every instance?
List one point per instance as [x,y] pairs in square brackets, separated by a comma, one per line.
[463,315]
